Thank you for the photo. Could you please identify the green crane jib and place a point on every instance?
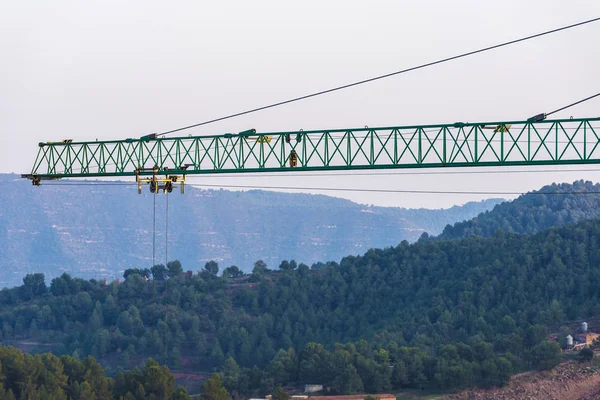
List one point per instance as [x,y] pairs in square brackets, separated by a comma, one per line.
[490,144]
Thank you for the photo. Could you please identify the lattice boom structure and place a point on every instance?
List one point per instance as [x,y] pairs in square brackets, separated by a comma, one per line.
[548,142]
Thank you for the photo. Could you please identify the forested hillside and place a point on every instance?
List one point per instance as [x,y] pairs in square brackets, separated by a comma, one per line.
[445,314]
[45,376]
[99,231]
[552,205]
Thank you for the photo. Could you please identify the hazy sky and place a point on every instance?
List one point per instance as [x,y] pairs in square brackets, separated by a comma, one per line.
[117,69]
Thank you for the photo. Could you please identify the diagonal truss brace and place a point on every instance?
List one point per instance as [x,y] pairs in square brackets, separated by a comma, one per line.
[505,143]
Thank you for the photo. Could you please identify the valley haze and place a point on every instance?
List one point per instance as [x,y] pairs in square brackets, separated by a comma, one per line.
[99,231]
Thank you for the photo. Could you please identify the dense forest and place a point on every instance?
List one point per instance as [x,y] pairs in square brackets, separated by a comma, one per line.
[434,314]
[551,206]
[45,376]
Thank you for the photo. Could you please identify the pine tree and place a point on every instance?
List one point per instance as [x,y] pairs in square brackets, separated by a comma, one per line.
[213,389]
[280,394]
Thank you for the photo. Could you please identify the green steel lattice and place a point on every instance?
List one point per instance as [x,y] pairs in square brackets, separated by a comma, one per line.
[549,142]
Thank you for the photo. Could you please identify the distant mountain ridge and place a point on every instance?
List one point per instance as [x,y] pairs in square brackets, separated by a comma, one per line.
[553,205]
[98,231]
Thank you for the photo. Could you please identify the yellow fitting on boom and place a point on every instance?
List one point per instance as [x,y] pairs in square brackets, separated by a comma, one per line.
[166,184]
[261,139]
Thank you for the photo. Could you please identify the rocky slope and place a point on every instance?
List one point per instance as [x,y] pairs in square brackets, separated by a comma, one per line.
[569,381]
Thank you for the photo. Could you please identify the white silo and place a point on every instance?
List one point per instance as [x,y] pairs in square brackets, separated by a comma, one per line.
[584,327]
[569,341]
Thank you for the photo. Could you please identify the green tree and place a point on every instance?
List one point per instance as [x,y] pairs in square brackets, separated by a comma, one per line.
[59,286]
[159,272]
[174,269]
[181,393]
[158,381]
[94,376]
[349,381]
[586,354]
[545,355]
[280,394]
[535,334]
[233,272]
[33,285]
[97,318]
[231,373]
[212,389]
[212,267]
[505,370]
[216,352]
[110,310]
[285,266]
[260,267]
[144,273]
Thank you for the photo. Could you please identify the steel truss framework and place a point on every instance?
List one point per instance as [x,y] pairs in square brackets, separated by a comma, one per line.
[548,142]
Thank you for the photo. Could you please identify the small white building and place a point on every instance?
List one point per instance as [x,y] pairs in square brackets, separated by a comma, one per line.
[312,388]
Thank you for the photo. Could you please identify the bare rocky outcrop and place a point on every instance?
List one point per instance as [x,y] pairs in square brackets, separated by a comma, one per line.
[568,381]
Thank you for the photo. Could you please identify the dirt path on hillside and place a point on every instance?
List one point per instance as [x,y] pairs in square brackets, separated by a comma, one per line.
[568,381]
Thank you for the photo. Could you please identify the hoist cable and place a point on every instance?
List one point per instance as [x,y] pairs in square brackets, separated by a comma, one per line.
[166,265]
[166,235]
[153,280]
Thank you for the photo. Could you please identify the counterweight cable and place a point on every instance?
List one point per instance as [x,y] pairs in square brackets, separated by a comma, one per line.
[572,104]
[429,64]
[543,116]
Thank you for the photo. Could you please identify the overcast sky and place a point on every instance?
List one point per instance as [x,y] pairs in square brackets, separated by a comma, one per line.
[117,69]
